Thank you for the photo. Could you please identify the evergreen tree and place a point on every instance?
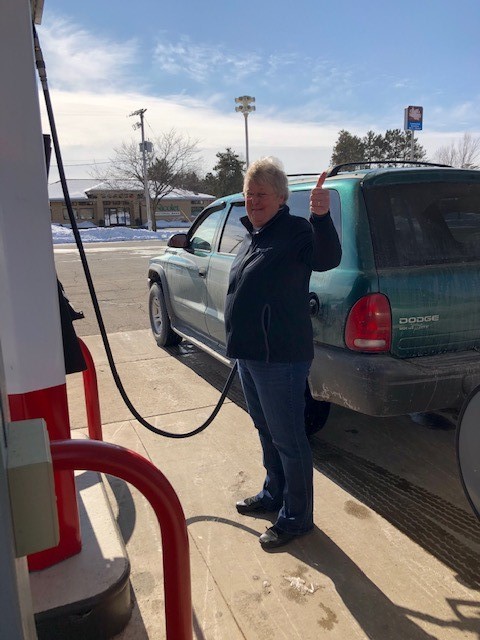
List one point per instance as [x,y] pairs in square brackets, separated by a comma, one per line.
[227,176]
[373,146]
[394,145]
[398,146]
[191,181]
[348,148]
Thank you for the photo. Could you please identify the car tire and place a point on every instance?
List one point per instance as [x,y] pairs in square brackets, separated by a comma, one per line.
[316,413]
[159,319]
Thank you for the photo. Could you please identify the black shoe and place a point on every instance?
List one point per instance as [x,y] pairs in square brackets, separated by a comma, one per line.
[275,537]
[250,505]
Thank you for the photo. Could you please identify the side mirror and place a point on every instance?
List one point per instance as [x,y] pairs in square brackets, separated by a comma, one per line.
[178,241]
[203,245]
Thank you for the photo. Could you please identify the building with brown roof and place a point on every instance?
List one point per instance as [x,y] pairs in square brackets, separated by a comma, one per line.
[98,203]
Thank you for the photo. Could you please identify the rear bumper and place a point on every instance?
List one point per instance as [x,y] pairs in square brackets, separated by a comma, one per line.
[380,385]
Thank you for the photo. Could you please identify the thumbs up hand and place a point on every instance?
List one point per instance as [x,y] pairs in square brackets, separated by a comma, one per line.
[320,197]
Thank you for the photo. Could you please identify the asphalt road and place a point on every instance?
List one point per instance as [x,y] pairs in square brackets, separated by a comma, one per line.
[119,274]
[404,467]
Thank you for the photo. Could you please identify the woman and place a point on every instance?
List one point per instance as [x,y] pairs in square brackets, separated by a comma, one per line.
[269,332]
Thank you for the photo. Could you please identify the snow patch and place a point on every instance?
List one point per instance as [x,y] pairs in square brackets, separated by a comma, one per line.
[64,235]
[301,585]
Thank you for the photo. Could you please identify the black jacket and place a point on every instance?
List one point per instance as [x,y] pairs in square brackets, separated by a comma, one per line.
[267,308]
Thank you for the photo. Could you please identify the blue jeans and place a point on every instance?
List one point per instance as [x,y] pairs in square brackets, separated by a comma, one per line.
[275,398]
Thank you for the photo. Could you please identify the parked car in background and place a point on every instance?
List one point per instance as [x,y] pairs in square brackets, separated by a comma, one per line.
[396,324]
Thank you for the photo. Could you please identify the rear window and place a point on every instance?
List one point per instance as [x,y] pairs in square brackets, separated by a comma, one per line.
[425,223]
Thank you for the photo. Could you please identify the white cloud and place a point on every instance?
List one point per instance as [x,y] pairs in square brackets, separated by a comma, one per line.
[90,125]
[76,59]
[201,61]
[93,92]
[279,62]
[462,113]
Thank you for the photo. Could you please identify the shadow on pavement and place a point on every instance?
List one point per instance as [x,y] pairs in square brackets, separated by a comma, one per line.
[377,615]
[446,531]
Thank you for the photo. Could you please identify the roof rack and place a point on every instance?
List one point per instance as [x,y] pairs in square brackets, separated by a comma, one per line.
[301,175]
[297,178]
[333,171]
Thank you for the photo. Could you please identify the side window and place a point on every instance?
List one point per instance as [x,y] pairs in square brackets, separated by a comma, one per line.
[202,236]
[234,231]
[299,203]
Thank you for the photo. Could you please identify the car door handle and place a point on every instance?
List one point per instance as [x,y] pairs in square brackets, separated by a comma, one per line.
[202,272]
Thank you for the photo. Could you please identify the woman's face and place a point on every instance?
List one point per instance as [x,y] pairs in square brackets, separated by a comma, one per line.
[262,202]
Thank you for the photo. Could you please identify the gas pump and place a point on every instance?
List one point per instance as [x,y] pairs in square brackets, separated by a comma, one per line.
[16,609]
[39,516]
[30,329]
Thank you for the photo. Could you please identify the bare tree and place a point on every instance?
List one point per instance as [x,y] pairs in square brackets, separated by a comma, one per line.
[172,156]
[463,153]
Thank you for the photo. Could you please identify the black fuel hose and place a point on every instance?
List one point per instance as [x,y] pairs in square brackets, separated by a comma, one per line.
[167,434]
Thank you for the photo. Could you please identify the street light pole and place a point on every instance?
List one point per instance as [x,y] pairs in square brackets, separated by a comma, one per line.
[245,107]
[143,149]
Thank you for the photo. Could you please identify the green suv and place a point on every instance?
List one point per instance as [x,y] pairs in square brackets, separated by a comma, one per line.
[396,324]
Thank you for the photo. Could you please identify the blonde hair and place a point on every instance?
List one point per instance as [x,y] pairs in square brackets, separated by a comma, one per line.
[268,171]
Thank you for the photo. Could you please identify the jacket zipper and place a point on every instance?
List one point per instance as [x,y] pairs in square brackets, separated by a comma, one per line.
[266,311]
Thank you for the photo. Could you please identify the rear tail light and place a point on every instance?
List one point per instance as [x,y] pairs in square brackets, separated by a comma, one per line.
[369,324]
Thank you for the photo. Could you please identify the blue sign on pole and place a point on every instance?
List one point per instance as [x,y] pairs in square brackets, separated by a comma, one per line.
[413,118]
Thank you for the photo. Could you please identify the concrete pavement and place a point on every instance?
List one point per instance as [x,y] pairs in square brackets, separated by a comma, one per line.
[355,577]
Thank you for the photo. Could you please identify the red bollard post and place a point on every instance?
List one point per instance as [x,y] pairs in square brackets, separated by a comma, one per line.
[150,481]
[51,405]
[92,400]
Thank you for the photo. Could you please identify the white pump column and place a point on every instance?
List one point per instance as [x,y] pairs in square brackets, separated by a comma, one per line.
[29,316]
[30,328]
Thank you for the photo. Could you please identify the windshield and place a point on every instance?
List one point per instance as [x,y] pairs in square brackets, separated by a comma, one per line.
[424,223]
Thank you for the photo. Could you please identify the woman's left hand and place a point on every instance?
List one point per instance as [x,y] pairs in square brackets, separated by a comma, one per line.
[320,198]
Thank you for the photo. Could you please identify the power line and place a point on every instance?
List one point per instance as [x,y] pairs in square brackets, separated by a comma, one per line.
[85,164]
[149,126]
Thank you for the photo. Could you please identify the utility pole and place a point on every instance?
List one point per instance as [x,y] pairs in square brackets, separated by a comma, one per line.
[245,107]
[144,147]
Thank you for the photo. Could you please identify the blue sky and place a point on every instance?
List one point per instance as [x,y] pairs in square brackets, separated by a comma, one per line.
[314,68]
